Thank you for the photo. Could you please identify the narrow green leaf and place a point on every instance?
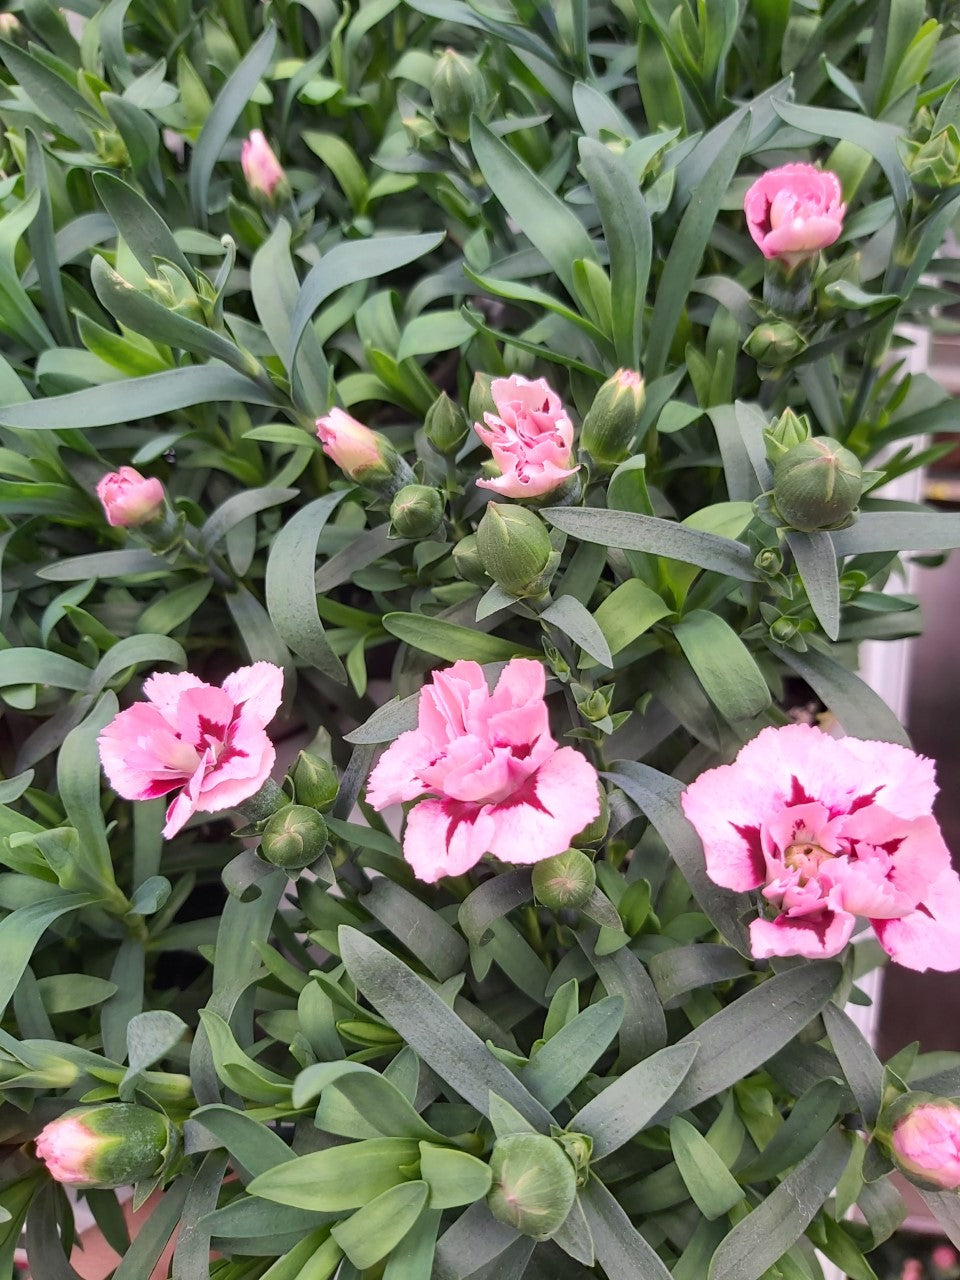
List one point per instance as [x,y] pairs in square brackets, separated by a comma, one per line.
[660,537]
[777,1222]
[340,1177]
[713,1188]
[22,929]
[454,1177]
[252,1145]
[899,531]
[370,1233]
[450,641]
[55,100]
[225,113]
[723,664]
[811,1116]
[620,1248]
[816,558]
[421,930]
[690,241]
[140,225]
[861,1066]
[561,1063]
[635,1099]
[545,220]
[151,396]
[573,619]
[491,900]
[434,1032]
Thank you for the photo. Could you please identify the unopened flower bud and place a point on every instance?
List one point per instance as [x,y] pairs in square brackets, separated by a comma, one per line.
[769,562]
[416,511]
[459,90]
[594,705]
[9,25]
[817,485]
[364,455]
[579,1149]
[924,1140]
[783,630]
[774,343]
[789,430]
[111,148]
[293,837]
[480,400]
[130,499]
[466,556]
[264,174]
[566,880]
[445,426]
[109,1145]
[534,1184]
[515,549]
[934,164]
[315,782]
[611,421]
[174,291]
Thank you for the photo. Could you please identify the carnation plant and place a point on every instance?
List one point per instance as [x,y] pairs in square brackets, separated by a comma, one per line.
[446,471]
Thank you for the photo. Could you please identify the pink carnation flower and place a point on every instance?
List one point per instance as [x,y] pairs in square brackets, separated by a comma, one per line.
[498,782]
[261,168]
[210,741]
[128,498]
[926,1144]
[832,830]
[530,437]
[795,211]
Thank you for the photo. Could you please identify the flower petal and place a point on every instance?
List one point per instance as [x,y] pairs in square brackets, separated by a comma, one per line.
[928,938]
[258,689]
[815,936]
[396,776]
[547,811]
[444,838]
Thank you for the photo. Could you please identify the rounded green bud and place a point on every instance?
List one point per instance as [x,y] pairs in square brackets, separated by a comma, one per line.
[458,90]
[597,829]
[783,630]
[769,562]
[293,837]
[786,433]
[315,782]
[515,548]
[774,343]
[817,485]
[445,426]
[534,1184]
[481,399]
[594,706]
[579,1149]
[611,421]
[111,1144]
[416,511]
[566,880]
[466,557]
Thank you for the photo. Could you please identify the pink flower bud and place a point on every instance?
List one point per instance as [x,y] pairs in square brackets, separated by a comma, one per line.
[795,211]
[945,1259]
[110,1145]
[925,1143]
[361,454]
[130,499]
[261,168]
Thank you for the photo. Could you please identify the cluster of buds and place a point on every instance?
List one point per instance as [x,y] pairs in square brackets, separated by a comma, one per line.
[295,834]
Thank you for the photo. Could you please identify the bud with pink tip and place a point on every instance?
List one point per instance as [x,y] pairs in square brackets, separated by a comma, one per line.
[130,499]
[110,1145]
[261,168]
[925,1140]
[612,420]
[364,455]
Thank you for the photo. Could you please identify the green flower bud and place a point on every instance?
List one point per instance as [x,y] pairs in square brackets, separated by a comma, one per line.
[594,705]
[466,557]
[515,549]
[109,1145]
[817,485]
[534,1184]
[611,421]
[566,880]
[579,1149]
[934,164]
[774,343]
[783,630]
[315,782]
[111,148]
[786,433]
[416,511]
[459,90]
[481,399]
[445,426]
[293,837]
[596,830]
[175,292]
[769,562]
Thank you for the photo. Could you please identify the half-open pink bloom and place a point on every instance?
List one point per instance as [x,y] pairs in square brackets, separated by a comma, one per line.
[530,437]
[832,830]
[128,498]
[498,781]
[795,211]
[925,1143]
[261,168]
[66,1146]
[210,741]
